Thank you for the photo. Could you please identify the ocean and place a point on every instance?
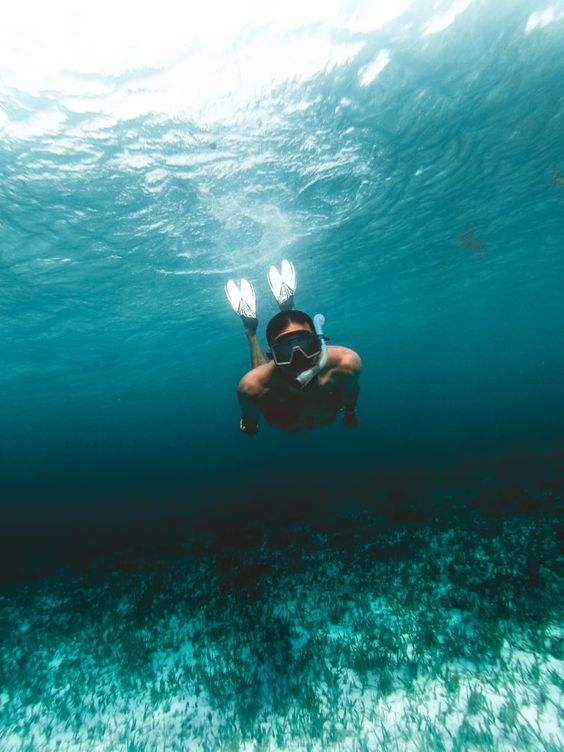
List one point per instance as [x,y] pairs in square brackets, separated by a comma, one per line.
[168,583]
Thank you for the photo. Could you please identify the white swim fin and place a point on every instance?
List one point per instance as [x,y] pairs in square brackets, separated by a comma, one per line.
[242,299]
[283,284]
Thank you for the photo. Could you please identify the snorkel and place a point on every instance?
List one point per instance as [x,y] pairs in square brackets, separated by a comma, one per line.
[305,377]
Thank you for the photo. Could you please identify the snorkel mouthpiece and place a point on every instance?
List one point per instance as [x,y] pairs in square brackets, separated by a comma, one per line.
[305,377]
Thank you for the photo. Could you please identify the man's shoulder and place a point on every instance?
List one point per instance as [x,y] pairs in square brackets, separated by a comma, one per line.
[254,383]
[344,360]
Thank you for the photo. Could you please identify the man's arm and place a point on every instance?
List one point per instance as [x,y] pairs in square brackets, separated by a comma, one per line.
[247,394]
[350,370]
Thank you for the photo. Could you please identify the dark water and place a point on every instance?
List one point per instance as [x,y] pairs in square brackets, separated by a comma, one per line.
[410,164]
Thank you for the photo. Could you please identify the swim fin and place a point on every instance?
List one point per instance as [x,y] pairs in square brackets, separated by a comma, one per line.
[283,284]
[242,299]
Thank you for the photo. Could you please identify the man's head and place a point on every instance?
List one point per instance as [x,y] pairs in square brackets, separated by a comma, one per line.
[295,346]
[287,320]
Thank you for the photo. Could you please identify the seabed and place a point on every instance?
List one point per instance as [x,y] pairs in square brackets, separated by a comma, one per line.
[356,636]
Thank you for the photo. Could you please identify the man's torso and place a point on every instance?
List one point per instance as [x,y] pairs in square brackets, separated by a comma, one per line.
[296,411]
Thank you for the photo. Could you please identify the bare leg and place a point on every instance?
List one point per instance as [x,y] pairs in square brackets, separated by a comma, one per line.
[255,350]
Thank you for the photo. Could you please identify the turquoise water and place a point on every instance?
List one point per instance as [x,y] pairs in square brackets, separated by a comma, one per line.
[409,161]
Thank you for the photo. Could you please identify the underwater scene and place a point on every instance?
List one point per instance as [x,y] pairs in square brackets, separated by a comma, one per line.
[366,570]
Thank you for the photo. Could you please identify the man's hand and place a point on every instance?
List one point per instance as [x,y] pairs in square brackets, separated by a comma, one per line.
[248,426]
[247,393]
[349,419]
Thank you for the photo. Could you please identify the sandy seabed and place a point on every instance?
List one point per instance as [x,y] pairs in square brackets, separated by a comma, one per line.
[428,637]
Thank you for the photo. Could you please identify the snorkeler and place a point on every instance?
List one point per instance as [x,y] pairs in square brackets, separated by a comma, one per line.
[305,384]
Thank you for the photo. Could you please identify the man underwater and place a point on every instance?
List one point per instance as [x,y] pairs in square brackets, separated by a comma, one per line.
[305,384]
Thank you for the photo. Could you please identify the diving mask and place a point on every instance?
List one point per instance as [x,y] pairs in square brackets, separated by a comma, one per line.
[303,352]
[293,348]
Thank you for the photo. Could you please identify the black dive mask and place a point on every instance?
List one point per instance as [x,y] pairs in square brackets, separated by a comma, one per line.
[296,351]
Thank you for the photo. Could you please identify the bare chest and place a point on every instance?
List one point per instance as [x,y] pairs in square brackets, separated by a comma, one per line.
[297,413]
